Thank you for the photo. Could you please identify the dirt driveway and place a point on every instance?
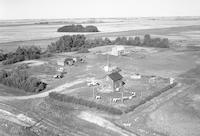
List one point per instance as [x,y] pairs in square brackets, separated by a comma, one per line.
[44,94]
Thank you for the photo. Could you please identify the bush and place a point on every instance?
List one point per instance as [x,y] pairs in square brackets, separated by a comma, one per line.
[83,50]
[21,54]
[155,42]
[121,41]
[147,42]
[2,56]
[46,54]
[22,67]
[77,42]
[19,78]
[80,101]
[91,28]
[78,28]
[14,59]
[91,43]
[67,43]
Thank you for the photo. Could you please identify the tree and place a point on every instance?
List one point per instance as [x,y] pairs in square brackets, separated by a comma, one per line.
[164,43]
[107,41]
[2,56]
[121,40]
[147,40]
[137,41]
[78,28]
[91,29]
[131,41]
[67,43]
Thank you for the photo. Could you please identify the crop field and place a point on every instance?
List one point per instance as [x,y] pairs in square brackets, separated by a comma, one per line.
[154,112]
[45,31]
[26,34]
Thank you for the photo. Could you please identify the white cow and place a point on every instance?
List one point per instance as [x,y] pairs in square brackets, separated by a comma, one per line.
[171,80]
[117,90]
[116,99]
[127,124]
[125,98]
[98,97]
[133,94]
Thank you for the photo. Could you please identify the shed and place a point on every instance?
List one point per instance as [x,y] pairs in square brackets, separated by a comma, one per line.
[118,50]
[136,76]
[116,80]
[69,61]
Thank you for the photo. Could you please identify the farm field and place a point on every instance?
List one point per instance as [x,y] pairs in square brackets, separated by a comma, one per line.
[146,110]
[33,31]
[29,33]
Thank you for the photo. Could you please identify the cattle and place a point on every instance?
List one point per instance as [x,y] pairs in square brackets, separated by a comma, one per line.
[116,99]
[93,83]
[133,94]
[125,98]
[117,89]
[171,80]
[98,97]
[127,124]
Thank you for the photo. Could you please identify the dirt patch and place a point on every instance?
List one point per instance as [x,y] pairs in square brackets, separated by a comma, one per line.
[179,117]
[32,63]
[174,123]
[90,117]
[20,119]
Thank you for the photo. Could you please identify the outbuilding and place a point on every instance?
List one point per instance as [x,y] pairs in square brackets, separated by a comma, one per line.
[118,50]
[69,61]
[116,80]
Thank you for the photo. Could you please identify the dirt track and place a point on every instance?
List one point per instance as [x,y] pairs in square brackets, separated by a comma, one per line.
[44,94]
[94,118]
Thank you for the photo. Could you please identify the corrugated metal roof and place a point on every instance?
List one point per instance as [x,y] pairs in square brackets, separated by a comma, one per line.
[115,76]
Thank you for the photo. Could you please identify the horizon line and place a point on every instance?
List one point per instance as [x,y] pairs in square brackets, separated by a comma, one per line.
[102,17]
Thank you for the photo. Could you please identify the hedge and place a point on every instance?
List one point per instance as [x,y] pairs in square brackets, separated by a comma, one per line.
[87,103]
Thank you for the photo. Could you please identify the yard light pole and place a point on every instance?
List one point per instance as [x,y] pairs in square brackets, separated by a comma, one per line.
[122,97]
[93,92]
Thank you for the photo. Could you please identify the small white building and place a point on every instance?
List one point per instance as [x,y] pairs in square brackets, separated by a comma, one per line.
[171,80]
[108,68]
[60,63]
[61,69]
[118,50]
[136,76]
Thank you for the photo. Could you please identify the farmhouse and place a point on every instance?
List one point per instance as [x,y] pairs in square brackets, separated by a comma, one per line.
[118,50]
[116,80]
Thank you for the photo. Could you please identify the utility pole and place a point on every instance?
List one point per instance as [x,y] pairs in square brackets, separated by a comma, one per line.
[93,92]
[122,97]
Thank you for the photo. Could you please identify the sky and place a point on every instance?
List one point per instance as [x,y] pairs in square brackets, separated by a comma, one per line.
[55,9]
